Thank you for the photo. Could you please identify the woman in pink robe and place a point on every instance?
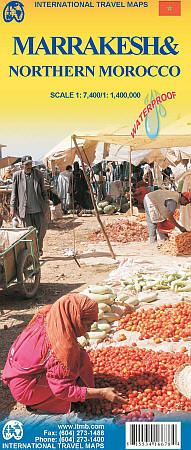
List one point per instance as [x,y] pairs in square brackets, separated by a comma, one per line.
[46,368]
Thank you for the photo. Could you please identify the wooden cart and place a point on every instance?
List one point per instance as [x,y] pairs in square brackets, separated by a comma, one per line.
[5,196]
[19,260]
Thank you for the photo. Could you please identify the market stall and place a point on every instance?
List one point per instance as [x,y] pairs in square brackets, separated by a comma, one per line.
[8,161]
[5,186]
[156,150]
[5,195]
[164,150]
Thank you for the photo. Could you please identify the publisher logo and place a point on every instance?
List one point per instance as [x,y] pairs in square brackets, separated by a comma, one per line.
[13,11]
[13,429]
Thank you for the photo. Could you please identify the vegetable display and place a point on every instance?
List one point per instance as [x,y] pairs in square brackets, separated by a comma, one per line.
[122,231]
[143,376]
[141,218]
[175,281]
[162,323]
[177,245]
[103,204]
[121,204]
[167,323]
[110,209]
[177,214]
[105,297]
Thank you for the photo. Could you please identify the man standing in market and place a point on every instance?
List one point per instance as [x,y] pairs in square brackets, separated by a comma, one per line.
[29,198]
[161,205]
[64,188]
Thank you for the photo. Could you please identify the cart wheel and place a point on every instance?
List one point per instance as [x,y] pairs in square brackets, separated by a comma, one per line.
[25,267]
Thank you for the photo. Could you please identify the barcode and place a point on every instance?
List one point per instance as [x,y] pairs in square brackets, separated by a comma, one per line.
[163,435]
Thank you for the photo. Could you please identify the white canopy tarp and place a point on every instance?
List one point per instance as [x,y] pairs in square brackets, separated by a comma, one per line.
[64,153]
[122,153]
[171,146]
[97,150]
[176,148]
[141,142]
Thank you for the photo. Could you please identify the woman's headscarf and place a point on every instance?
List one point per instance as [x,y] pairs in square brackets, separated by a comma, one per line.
[64,323]
[76,166]
[147,167]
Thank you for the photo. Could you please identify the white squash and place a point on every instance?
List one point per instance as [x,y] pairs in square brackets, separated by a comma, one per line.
[104,307]
[122,297]
[105,298]
[94,326]
[96,334]
[131,301]
[148,297]
[100,289]
[101,315]
[103,325]
[82,341]
[107,301]
[111,317]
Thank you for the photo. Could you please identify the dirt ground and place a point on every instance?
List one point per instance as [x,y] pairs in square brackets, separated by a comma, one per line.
[61,274]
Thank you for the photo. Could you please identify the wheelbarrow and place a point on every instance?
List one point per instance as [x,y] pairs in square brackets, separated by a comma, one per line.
[19,260]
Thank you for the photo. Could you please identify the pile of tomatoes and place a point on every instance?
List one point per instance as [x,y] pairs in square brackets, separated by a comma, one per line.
[134,416]
[144,377]
[167,323]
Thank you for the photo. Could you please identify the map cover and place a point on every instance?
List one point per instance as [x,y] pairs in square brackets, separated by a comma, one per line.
[118,71]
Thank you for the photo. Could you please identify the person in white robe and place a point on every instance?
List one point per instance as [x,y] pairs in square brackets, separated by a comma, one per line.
[64,188]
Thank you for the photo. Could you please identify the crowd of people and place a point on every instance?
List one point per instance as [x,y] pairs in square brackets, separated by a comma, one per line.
[31,192]
[73,190]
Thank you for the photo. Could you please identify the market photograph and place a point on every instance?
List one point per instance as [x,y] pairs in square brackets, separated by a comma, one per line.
[95,279]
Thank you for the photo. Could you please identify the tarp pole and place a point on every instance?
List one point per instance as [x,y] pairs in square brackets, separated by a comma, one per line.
[92,197]
[130,189]
[87,159]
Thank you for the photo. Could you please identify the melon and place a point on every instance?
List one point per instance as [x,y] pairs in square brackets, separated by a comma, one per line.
[100,211]
[125,207]
[103,204]
[110,209]
[123,201]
